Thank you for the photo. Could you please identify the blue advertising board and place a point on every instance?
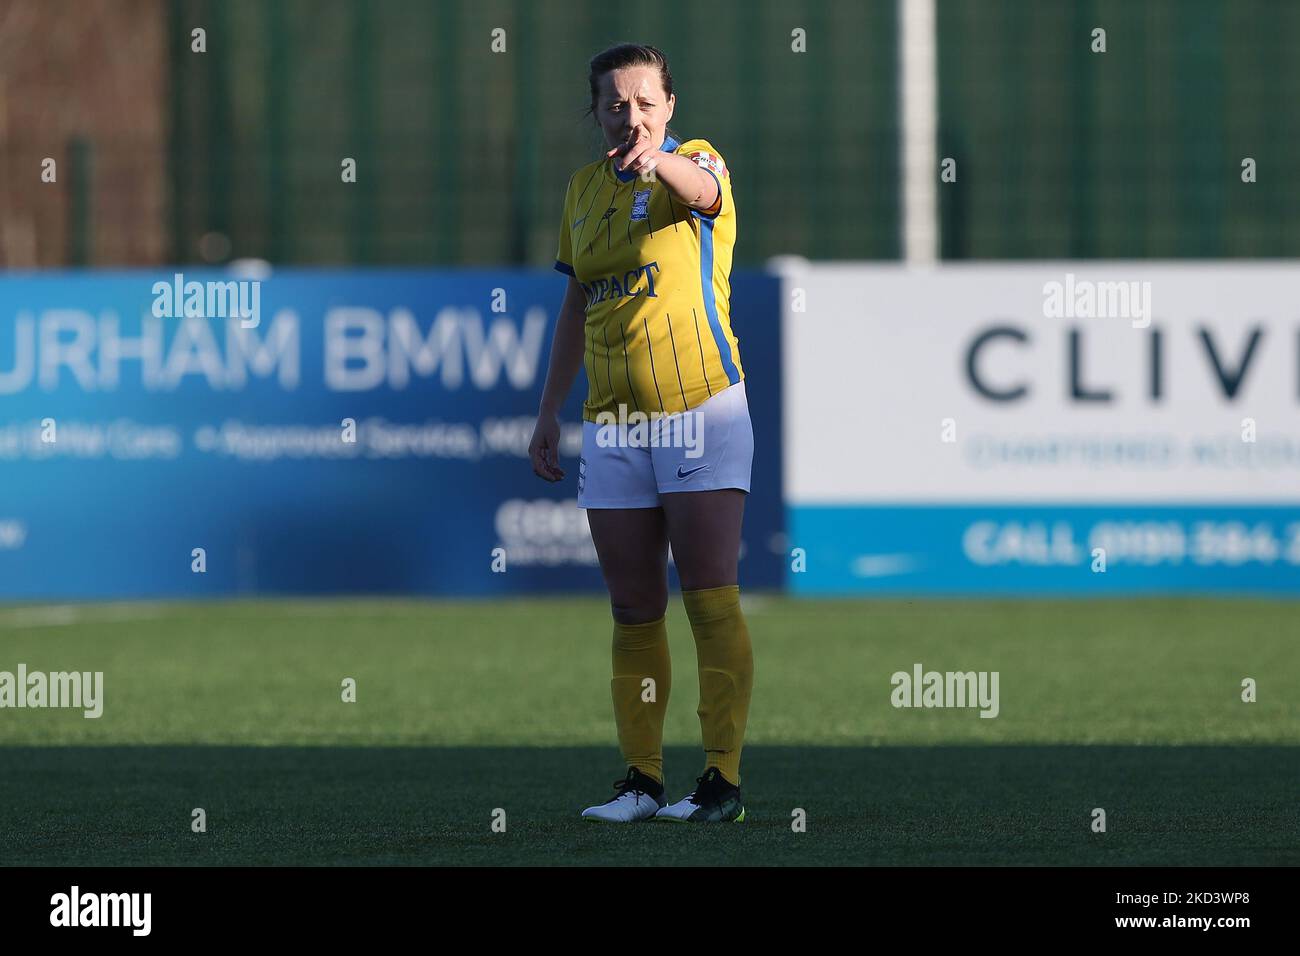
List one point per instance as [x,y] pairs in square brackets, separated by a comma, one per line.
[321,432]
[1046,549]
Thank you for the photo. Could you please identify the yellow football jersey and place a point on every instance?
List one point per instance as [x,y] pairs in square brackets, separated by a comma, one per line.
[656,274]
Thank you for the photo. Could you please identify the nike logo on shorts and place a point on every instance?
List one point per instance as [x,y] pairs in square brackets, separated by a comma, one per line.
[682,474]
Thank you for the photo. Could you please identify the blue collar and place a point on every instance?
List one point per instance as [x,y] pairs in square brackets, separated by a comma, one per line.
[669,145]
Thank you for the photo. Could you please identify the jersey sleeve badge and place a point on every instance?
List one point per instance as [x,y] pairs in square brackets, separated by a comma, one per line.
[710,161]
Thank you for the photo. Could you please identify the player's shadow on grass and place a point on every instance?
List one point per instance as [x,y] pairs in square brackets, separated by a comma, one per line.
[419,805]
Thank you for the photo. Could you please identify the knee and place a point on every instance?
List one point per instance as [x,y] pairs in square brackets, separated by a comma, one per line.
[704,576]
[702,568]
[642,610]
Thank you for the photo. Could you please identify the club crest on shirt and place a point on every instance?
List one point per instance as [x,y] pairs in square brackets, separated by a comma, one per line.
[709,161]
[640,205]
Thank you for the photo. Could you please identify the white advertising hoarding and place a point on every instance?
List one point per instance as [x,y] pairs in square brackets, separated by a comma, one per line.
[985,383]
[945,424]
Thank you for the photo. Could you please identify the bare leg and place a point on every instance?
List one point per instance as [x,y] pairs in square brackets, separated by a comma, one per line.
[632,544]
[704,527]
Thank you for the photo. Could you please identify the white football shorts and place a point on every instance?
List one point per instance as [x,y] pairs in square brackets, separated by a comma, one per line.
[630,463]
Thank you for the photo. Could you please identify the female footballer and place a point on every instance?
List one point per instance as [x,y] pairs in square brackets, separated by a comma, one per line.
[646,241]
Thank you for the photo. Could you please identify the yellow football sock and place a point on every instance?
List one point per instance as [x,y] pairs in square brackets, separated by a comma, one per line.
[726,663]
[642,678]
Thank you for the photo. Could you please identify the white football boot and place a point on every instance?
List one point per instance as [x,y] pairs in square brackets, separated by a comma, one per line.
[639,797]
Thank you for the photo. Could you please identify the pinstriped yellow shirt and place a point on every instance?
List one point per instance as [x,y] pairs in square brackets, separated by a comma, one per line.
[656,275]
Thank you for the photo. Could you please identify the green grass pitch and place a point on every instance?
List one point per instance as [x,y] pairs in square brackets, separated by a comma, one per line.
[466,707]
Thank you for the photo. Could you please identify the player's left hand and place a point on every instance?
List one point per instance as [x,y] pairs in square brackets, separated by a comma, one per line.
[637,154]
